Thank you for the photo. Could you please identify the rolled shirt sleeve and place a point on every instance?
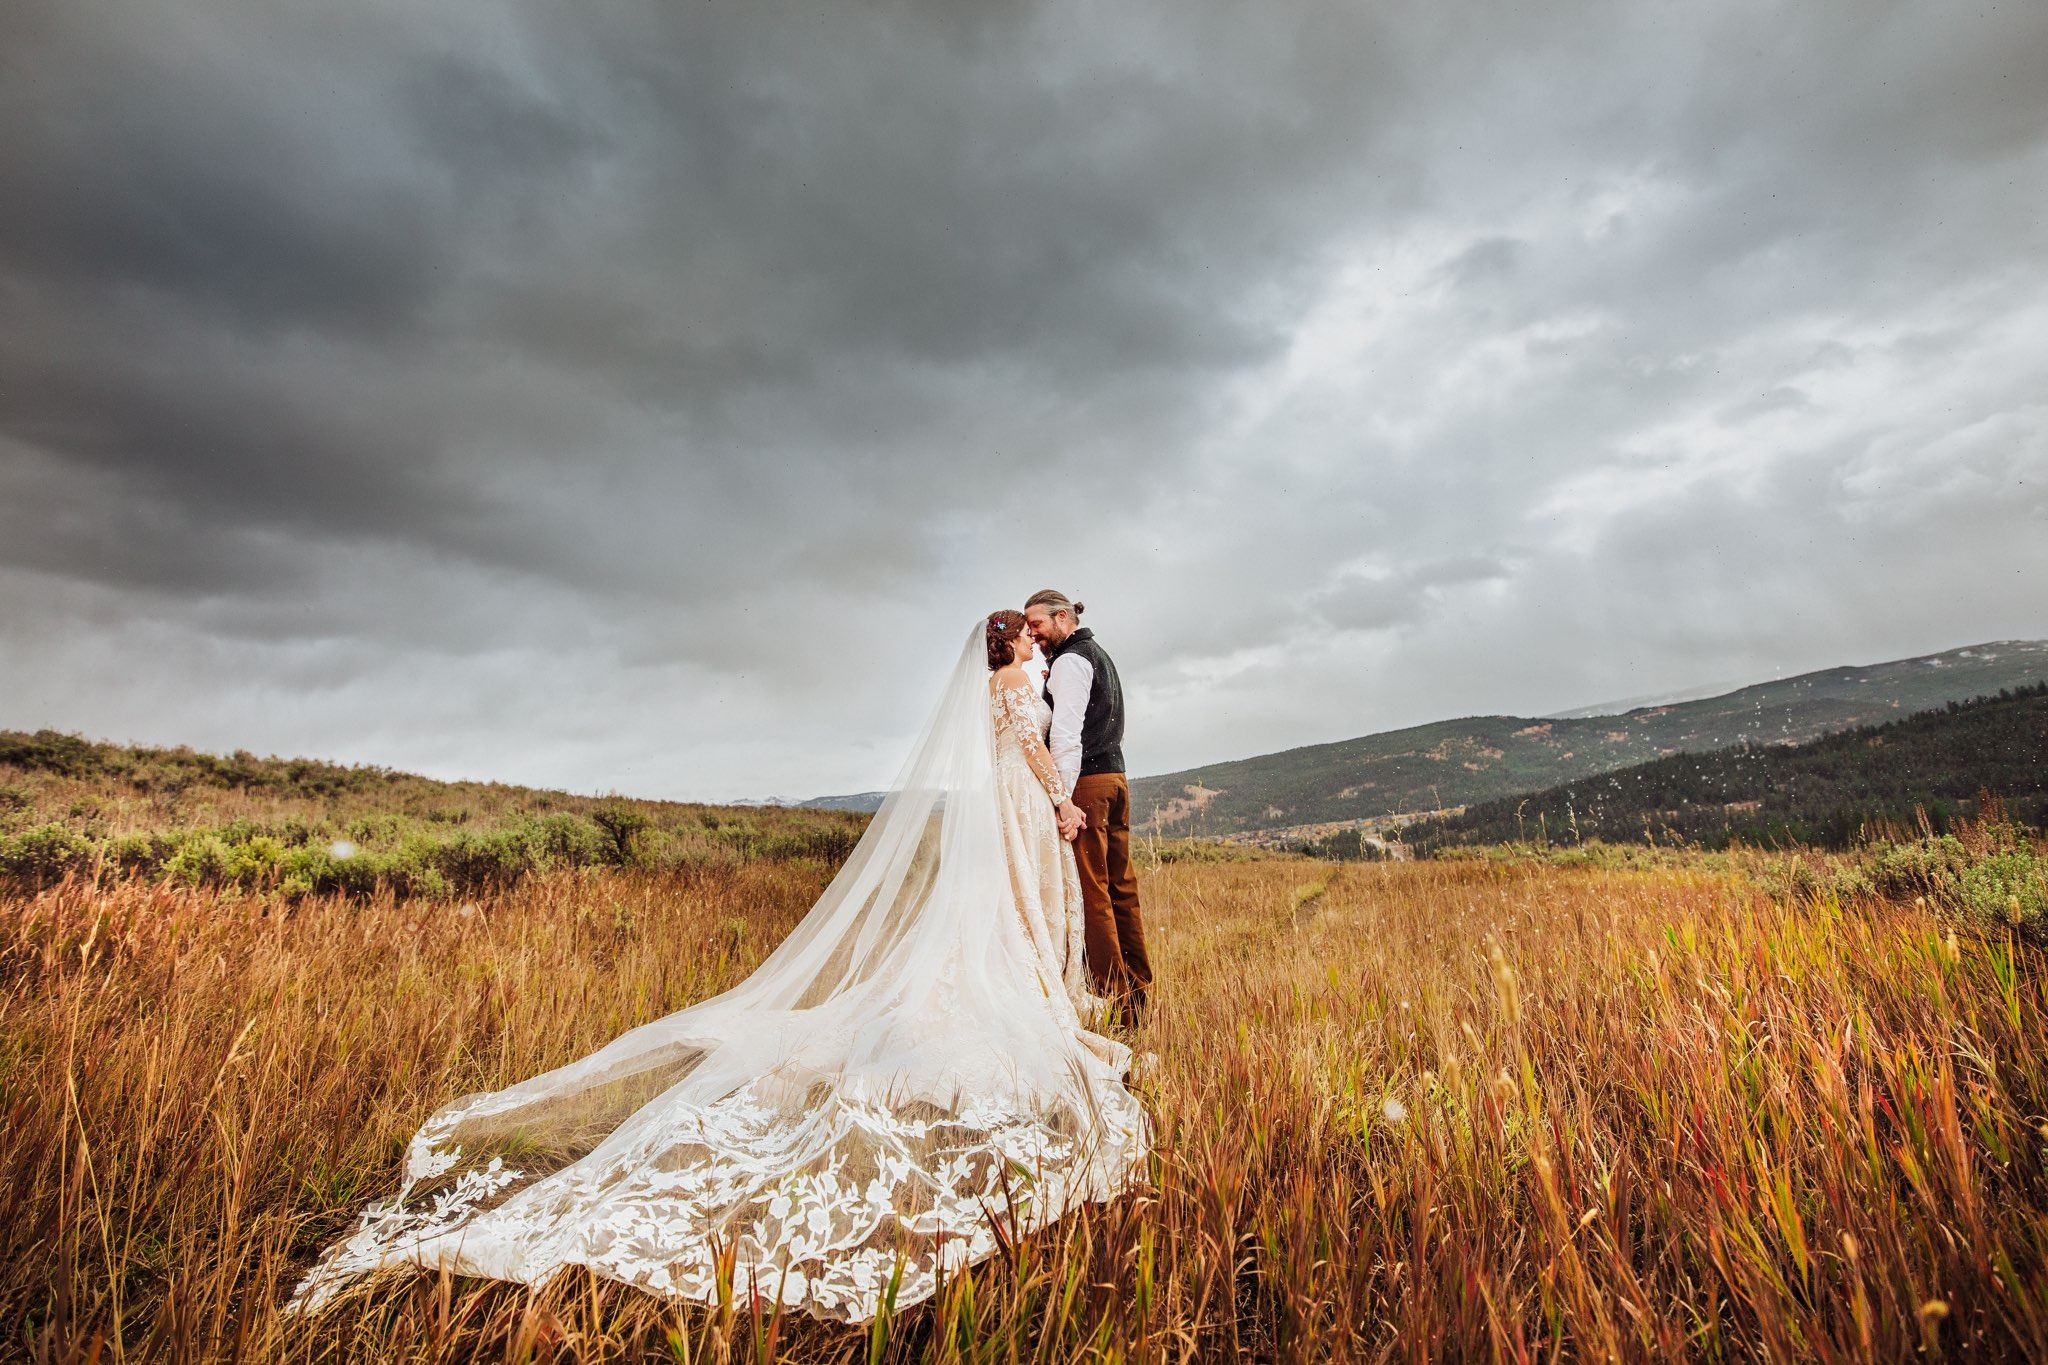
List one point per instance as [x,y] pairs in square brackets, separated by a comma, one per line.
[1069,683]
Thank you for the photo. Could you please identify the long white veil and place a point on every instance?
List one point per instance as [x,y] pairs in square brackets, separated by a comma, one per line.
[894,1078]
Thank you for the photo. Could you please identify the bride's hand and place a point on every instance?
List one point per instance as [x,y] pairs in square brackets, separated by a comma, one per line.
[1072,821]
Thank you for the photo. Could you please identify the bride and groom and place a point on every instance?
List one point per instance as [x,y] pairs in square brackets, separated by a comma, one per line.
[915,1076]
[1070,739]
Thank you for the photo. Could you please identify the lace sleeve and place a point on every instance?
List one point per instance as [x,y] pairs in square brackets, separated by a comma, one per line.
[1014,713]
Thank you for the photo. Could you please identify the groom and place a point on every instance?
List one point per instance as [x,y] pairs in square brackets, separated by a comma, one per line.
[1087,747]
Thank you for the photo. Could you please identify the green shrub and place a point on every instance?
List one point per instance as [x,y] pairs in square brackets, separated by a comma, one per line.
[312,867]
[49,751]
[45,854]
[1990,873]
[568,840]
[471,861]
[201,859]
[405,873]
[254,861]
[828,845]
[1924,867]
[2009,887]
[139,855]
[306,869]
[239,831]
[375,829]
[161,779]
[621,825]
[291,830]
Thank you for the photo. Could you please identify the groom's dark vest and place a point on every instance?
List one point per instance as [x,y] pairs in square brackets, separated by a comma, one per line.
[1102,724]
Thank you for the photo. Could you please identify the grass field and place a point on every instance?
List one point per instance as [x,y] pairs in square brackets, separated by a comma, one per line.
[1426,1111]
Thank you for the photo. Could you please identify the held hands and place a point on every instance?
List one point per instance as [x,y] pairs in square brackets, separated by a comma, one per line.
[1072,821]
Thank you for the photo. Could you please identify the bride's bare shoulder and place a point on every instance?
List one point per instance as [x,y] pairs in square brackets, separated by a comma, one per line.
[1009,675]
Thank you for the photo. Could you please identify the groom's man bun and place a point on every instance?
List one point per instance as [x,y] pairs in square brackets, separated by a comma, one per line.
[1052,599]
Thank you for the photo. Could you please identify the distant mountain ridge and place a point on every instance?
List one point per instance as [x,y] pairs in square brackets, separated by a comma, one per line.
[1459,762]
[865,802]
[1627,704]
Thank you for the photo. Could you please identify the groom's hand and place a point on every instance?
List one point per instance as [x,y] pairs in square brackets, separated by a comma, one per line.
[1072,821]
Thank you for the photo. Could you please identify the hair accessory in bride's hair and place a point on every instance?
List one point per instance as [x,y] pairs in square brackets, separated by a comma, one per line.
[1002,626]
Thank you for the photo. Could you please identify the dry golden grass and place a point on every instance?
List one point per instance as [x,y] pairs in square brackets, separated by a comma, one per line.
[1439,1111]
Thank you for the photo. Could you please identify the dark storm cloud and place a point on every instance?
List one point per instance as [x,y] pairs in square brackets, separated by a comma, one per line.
[144,175]
[632,396]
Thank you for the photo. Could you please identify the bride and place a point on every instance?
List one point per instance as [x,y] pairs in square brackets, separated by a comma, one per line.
[909,1077]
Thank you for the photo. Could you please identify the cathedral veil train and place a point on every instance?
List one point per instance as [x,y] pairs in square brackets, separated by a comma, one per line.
[903,1082]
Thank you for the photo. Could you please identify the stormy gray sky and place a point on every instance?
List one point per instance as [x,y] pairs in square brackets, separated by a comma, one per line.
[647,395]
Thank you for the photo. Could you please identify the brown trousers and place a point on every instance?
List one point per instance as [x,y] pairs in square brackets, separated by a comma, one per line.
[1109,892]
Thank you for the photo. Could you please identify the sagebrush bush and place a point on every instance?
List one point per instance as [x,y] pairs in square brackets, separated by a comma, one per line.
[1988,872]
[139,855]
[2009,886]
[44,854]
[471,861]
[200,861]
[376,829]
[784,845]
[622,826]
[568,840]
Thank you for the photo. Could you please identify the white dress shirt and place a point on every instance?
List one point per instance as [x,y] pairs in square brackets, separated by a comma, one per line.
[1071,679]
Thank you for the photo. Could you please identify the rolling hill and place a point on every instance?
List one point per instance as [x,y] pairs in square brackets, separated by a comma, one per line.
[1822,793]
[70,804]
[1460,762]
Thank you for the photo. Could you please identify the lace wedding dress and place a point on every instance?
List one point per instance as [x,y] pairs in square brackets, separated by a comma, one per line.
[906,1075]
[1042,873]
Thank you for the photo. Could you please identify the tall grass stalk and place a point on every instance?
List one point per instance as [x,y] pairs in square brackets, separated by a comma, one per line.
[1432,1111]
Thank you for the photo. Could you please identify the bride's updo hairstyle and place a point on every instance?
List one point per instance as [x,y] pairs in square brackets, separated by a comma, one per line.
[1003,629]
